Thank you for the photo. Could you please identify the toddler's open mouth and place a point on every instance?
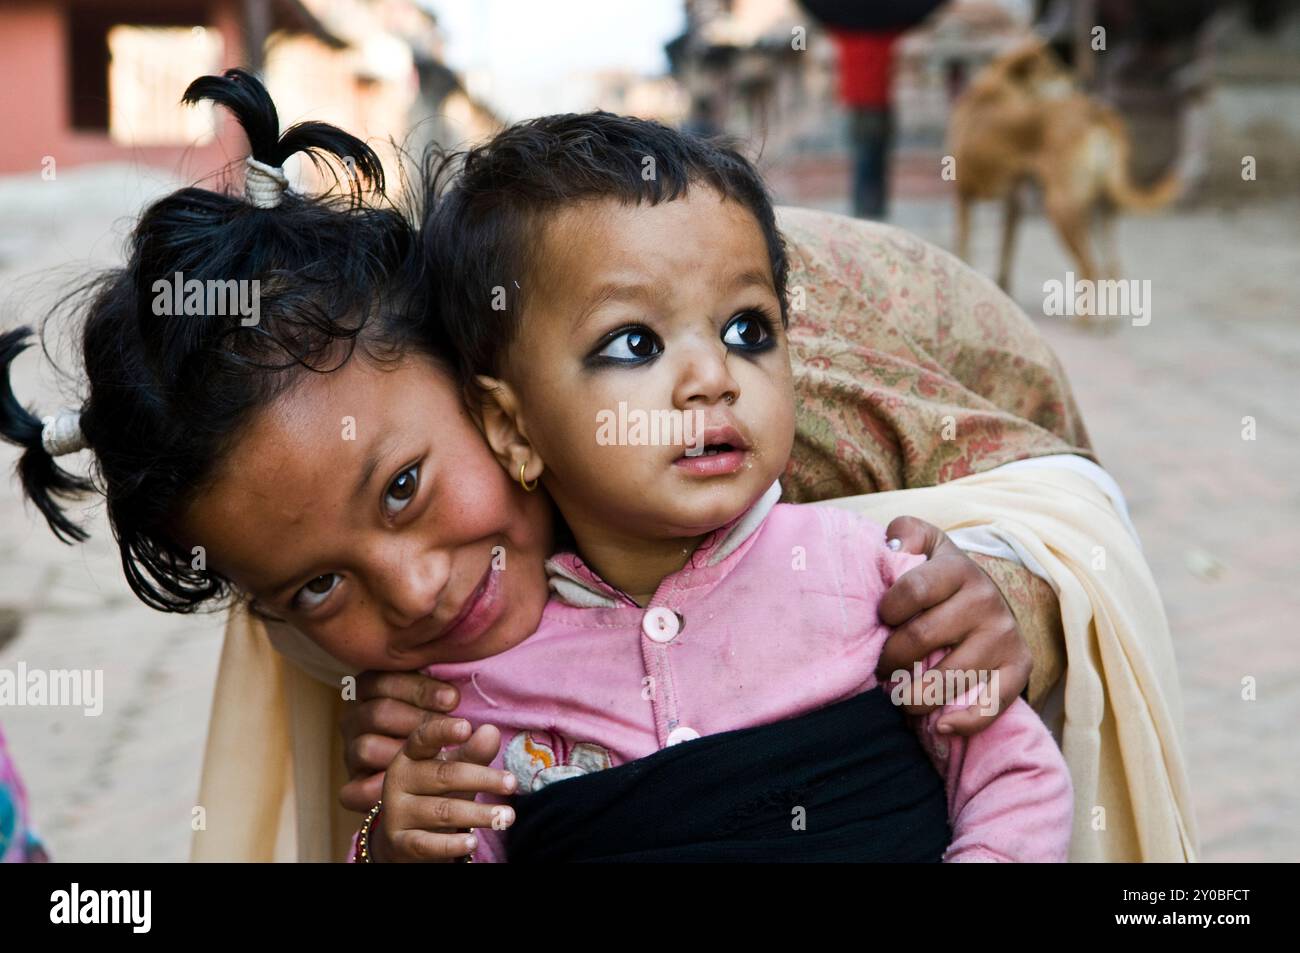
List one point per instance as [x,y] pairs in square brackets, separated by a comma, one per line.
[722,451]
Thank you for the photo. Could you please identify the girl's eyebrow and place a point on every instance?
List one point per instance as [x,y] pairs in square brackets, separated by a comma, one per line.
[373,458]
[276,590]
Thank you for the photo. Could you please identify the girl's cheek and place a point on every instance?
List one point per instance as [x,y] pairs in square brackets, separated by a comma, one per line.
[351,637]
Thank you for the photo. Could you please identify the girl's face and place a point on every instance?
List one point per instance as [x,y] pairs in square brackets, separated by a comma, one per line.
[651,313]
[364,507]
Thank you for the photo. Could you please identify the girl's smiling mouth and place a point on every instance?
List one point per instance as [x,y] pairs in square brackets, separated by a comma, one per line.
[477,612]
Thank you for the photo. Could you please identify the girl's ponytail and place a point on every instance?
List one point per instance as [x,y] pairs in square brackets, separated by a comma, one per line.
[44,481]
[241,93]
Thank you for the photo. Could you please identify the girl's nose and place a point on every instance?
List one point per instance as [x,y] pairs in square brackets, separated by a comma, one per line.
[705,378]
[411,586]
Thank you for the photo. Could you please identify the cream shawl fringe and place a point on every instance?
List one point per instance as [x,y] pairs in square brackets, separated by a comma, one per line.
[273,765]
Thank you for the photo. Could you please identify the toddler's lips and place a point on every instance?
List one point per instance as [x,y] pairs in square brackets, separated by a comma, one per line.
[716,460]
[723,451]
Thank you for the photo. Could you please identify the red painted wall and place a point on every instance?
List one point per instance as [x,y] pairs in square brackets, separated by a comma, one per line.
[34,111]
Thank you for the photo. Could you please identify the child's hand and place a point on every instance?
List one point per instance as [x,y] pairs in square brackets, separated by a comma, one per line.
[429,793]
[949,601]
[389,706]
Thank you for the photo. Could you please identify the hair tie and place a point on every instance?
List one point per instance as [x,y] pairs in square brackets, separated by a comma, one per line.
[264,184]
[62,434]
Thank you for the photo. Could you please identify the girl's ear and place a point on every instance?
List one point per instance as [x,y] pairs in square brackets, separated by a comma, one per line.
[496,411]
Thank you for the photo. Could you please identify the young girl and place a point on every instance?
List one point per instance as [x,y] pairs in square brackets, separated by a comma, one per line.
[691,604]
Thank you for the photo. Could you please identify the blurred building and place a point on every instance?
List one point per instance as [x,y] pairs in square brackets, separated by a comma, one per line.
[763,70]
[1253,104]
[101,80]
[632,94]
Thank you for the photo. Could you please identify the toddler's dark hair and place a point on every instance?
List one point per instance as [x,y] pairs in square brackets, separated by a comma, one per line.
[487,208]
[167,394]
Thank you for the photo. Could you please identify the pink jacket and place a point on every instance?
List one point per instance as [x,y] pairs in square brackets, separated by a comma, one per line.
[774,616]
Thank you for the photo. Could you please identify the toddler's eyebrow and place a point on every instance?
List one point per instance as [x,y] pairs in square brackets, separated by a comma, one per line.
[750,277]
[642,291]
[617,291]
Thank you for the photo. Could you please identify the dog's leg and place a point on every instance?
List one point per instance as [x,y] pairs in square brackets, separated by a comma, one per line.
[1010,223]
[1071,223]
[963,228]
[1106,239]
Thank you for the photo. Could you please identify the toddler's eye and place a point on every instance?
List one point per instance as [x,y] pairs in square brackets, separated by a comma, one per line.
[316,592]
[631,346]
[402,490]
[745,331]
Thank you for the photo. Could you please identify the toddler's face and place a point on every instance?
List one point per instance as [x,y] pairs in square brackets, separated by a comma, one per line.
[649,329]
[364,507]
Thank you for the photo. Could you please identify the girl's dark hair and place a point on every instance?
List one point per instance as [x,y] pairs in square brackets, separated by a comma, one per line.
[486,208]
[167,393]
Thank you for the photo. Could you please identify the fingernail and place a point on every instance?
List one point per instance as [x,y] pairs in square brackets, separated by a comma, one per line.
[471,842]
[462,728]
[894,544]
[446,698]
[509,782]
[945,729]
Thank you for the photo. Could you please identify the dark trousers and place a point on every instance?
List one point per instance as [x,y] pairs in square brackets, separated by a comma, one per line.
[870,137]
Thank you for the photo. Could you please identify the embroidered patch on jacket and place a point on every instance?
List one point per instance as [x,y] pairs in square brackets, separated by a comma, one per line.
[539,758]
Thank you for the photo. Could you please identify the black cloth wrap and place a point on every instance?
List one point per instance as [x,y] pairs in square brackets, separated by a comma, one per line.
[869,791]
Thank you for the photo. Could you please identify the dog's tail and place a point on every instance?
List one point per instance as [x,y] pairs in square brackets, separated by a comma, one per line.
[1121,190]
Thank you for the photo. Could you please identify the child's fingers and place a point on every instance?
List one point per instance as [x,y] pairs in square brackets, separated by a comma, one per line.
[923,587]
[967,722]
[915,535]
[947,623]
[366,754]
[382,716]
[990,672]
[416,846]
[446,814]
[981,646]
[433,777]
[361,793]
[481,748]
[414,688]
[1011,681]
[434,733]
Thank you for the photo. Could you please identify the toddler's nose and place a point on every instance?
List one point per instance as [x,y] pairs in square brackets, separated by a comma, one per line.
[706,379]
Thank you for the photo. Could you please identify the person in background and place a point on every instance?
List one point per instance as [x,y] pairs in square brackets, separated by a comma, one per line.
[18,842]
[864,63]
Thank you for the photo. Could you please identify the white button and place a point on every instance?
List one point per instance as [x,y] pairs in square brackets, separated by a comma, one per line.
[681,733]
[660,624]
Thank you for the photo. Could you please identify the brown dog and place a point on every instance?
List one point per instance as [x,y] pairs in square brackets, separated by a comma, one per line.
[1021,119]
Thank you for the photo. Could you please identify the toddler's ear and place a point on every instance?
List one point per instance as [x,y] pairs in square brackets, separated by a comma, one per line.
[496,410]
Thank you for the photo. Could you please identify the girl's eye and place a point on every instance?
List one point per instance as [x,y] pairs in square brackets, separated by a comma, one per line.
[402,490]
[316,592]
[631,346]
[747,331]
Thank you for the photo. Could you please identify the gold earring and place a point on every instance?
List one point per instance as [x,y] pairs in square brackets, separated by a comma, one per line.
[524,483]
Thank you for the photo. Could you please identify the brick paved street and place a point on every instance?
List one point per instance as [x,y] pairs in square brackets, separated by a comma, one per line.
[1218,516]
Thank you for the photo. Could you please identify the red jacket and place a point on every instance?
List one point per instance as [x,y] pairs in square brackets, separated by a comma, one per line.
[865,59]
